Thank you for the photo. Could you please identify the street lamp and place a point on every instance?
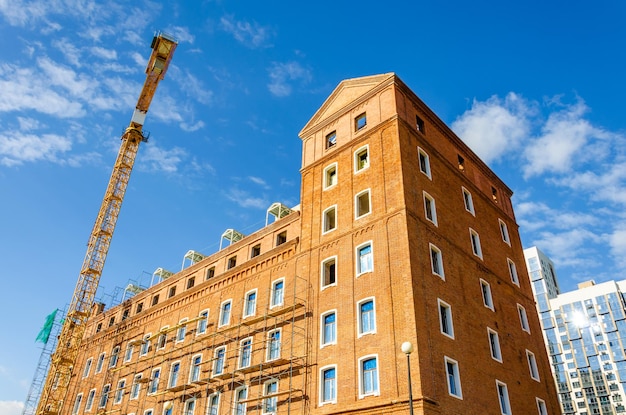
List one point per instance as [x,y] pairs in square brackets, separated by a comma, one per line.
[407,349]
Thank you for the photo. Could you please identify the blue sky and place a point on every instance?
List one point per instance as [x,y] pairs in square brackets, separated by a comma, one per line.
[535,88]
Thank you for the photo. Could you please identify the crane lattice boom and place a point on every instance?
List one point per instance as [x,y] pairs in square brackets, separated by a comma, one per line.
[65,355]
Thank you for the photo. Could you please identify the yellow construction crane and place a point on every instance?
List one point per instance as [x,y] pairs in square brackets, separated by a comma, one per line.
[64,357]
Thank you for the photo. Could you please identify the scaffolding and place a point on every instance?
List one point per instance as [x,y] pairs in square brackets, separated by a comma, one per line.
[231,236]
[192,257]
[278,211]
[163,274]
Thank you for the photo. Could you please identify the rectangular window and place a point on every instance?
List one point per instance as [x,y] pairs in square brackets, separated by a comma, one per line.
[445,319]
[245,353]
[213,404]
[241,394]
[494,345]
[330,176]
[328,392]
[277,293]
[419,124]
[360,121]
[175,368]
[139,308]
[467,199]
[486,291]
[190,406]
[162,340]
[362,204]
[87,367]
[155,300]
[232,261]
[365,259]
[513,272]
[90,399]
[100,362]
[361,159]
[504,231]
[331,139]
[273,345]
[145,345]
[461,162]
[367,317]
[129,352]
[154,381]
[119,392]
[172,292]
[225,313]
[219,360]
[249,308]
[430,210]
[494,194]
[270,404]
[475,240]
[543,410]
[329,219]
[453,378]
[182,331]
[281,238]
[210,273]
[191,282]
[76,408]
[203,322]
[194,370]
[436,261]
[503,397]
[329,328]
[369,376]
[114,356]
[136,387]
[329,276]
[104,397]
[424,161]
[532,365]
[523,318]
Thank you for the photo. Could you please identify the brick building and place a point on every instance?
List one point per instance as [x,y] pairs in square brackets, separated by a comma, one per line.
[402,234]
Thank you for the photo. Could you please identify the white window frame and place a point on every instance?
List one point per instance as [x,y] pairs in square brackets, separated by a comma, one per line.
[270,343]
[145,345]
[154,381]
[438,271]
[494,344]
[433,208]
[328,183]
[360,332]
[195,370]
[203,322]
[181,333]
[222,320]
[504,231]
[273,300]
[91,396]
[118,397]
[513,271]
[333,399]
[148,412]
[269,398]
[217,361]
[532,365]
[323,340]
[328,144]
[359,269]
[239,401]
[448,318]
[357,204]
[87,368]
[422,154]
[213,410]
[456,377]
[162,338]
[325,226]
[240,358]
[475,243]
[77,402]
[468,202]
[248,309]
[100,362]
[357,154]
[190,406]
[503,398]
[362,392]
[541,407]
[104,396]
[523,318]
[135,388]
[172,379]
[128,354]
[323,272]
[485,290]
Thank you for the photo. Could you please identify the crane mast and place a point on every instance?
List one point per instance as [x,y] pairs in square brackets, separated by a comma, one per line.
[64,357]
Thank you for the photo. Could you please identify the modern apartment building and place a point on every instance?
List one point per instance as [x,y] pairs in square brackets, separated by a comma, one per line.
[585,334]
[402,234]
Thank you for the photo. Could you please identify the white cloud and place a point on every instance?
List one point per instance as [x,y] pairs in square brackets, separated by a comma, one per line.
[66,78]
[103,53]
[11,407]
[190,128]
[69,50]
[259,181]
[617,242]
[569,248]
[249,34]
[192,86]
[17,148]
[245,200]
[161,160]
[181,34]
[283,74]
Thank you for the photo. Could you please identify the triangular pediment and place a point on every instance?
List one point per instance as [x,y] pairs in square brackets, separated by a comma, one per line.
[345,93]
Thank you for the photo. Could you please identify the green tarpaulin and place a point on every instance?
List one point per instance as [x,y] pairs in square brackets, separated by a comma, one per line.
[44,334]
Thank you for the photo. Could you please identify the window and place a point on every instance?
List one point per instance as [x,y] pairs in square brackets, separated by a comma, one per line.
[210,273]
[213,404]
[331,139]
[475,239]
[154,381]
[330,176]
[119,392]
[136,386]
[250,304]
[503,397]
[461,162]
[126,314]
[87,367]
[445,319]
[424,161]
[172,292]
[368,376]
[225,313]
[100,362]
[232,261]
[182,331]
[111,321]
[329,328]
[240,397]
[245,353]
[532,365]
[270,389]
[277,293]
[436,261]
[173,380]
[467,199]
[494,345]
[155,300]
[419,124]
[281,238]
[454,379]
[273,345]
[360,121]
[162,339]
[486,290]
[76,408]
[362,204]
[504,231]
[541,407]
[328,385]
[148,412]
[523,318]
[90,398]
[190,406]
[219,359]
[329,272]
[129,352]
[513,272]
[256,250]
[145,345]
[366,317]
[329,220]
[98,327]
[361,159]
[139,308]
[194,370]
[429,208]
[114,356]
[494,194]
[365,259]
[104,397]
[203,322]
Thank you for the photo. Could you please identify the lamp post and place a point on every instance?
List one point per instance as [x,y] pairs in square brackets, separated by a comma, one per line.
[407,349]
